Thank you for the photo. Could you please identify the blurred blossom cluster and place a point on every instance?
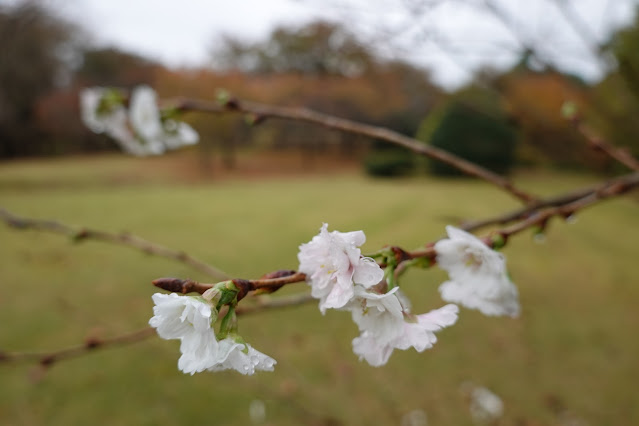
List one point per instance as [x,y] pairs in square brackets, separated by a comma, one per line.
[142,129]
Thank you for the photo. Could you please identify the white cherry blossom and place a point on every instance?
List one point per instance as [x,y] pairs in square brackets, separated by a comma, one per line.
[242,357]
[382,315]
[118,129]
[146,119]
[333,264]
[157,134]
[144,112]
[189,320]
[419,330]
[478,276]
[110,119]
[140,130]
[177,134]
[90,99]
[376,345]
[485,406]
[178,316]
[368,348]
[199,352]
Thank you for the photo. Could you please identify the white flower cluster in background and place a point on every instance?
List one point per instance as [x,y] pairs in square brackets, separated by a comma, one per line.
[485,406]
[190,319]
[141,130]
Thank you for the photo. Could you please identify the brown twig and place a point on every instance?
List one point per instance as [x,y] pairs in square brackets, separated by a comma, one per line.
[280,302]
[125,239]
[630,180]
[178,285]
[48,358]
[596,142]
[262,111]
[568,209]
[540,218]
[564,206]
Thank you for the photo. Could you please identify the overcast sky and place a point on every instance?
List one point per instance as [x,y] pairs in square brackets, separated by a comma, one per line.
[450,37]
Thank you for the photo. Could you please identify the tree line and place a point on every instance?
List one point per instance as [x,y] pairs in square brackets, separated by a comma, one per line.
[320,65]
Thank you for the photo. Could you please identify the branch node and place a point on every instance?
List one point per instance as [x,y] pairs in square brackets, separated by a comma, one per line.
[92,343]
[243,286]
[81,235]
[400,254]
[47,361]
[174,285]
[278,274]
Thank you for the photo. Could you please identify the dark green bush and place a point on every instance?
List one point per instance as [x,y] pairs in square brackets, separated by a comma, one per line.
[389,163]
[482,138]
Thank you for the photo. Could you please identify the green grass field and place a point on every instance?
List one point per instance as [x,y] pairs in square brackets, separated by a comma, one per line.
[572,354]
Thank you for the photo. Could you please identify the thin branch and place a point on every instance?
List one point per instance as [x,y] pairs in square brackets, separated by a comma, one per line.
[48,358]
[262,111]
[280,302]
[269,285]
[279,278]
[596,142]
[125,239]
[631,180]
[534,218]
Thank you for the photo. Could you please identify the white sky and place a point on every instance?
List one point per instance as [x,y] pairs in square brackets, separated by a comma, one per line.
[450,38]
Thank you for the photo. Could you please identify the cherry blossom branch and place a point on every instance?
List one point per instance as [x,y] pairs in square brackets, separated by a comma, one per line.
[275,280]
[565,207]
[270,283]
[596,142]
[631,180]
[280,302]
[125,239]
[260,112]
[48,358]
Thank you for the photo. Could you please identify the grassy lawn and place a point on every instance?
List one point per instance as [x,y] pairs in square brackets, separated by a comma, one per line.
[572,354]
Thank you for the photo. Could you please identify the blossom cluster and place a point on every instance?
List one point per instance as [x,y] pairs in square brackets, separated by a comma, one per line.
[190,320]
[141,130]
[342,278]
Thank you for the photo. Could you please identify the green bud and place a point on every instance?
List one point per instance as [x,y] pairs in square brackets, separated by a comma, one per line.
[223,292]
[569,110]
[498,241]
[228,326]
[212,295]
[222,96]
[379,254]
[250,119]
[169,113]
[389,275]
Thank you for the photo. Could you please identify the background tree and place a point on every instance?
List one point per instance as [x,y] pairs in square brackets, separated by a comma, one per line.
[319,48]
[36,57]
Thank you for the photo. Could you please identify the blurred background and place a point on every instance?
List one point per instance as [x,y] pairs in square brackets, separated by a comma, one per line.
[485,79]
